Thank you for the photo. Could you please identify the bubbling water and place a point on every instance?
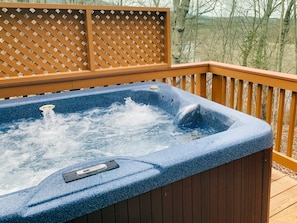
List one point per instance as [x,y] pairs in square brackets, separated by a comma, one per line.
[33,149]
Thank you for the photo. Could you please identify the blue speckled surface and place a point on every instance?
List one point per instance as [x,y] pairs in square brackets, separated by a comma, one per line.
[53,200]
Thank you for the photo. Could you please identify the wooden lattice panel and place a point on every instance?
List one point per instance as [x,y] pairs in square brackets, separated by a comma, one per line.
[128,38]
[50,47]
[38,41]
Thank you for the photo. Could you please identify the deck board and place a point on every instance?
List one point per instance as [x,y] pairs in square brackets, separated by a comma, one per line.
[283,203]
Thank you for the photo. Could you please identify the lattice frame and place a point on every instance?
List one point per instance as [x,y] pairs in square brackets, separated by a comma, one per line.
[51,39]
[128,38]
[36,41]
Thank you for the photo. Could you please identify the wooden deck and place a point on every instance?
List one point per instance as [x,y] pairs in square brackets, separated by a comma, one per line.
[283,203]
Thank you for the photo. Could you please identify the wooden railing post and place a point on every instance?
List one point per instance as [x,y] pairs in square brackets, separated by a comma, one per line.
[218,89]
[201,85]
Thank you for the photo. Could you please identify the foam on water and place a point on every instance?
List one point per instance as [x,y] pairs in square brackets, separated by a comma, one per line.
[33,149]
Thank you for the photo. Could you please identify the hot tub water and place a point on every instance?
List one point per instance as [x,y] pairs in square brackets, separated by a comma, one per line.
[35,148]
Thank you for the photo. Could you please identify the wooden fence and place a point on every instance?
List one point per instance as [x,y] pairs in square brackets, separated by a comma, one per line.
[50,48]
[39,43]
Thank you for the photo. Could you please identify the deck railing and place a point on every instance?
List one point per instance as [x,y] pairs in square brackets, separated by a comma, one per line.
[52,48]
[268,95]
[265,94]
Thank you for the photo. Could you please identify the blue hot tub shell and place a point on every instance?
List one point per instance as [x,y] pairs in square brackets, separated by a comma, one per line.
[53,200]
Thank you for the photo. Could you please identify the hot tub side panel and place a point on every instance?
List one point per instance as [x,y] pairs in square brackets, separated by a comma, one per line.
[236,192]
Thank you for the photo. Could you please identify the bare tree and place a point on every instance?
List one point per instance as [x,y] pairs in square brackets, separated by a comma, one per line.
[180,42]
[180,8]
[197,9]
[156,3]
[284,31]
[229,35]
[261,55]
[249,26]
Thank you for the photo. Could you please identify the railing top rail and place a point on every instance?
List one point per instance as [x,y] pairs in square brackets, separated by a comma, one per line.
[80,75]
[269,78]
[265,77]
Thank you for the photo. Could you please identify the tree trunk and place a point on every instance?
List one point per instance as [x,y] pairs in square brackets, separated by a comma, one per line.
[261,56]
[180,8]
[228,36]
[250,37]
[285,28]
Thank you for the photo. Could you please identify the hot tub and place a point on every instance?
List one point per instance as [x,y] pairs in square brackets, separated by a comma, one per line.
[221,175]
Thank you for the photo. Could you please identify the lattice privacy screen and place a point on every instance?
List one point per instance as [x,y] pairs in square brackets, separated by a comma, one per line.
[38,40]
